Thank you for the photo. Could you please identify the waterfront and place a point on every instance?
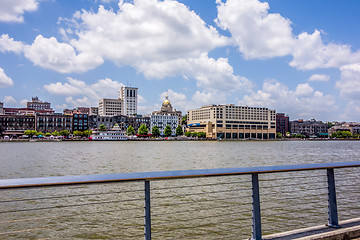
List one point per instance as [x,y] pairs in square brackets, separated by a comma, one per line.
[40,159]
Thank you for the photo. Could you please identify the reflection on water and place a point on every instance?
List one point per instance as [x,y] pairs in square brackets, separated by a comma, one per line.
[211,208]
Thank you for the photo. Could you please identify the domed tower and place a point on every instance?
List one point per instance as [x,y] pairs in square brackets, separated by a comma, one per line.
[166,105]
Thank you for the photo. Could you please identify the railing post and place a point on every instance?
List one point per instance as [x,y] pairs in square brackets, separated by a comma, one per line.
[332,205]
[147,211]
[256,217]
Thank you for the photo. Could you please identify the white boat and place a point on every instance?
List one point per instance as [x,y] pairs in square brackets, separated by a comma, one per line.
[113,134]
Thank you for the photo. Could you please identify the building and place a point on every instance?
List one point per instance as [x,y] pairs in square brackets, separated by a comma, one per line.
[128,95]
[25,111]
[352,127]
[282,124]
[16,124]
[48,123]
[94,111]
[80,122]
[122,121]
[310,128]
[233,122]
[110,107]
[1,108]
[36,104]
[78,110]
[166,116]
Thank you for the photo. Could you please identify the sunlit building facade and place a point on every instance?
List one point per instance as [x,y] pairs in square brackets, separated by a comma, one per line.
[233,122]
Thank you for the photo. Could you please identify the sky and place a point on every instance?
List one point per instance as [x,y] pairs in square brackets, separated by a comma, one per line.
[299,57]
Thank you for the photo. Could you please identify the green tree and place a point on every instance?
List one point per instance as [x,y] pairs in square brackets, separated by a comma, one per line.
[78,133]
[201,135]
[102,127]
[188,134]
[155,131]
[167,131]
[64,133]
[30,133]
[55,133]
[179,131]
[130,131]
[87,133]
[279,135]
[184,120]
[39,134]
[143,130]
[47,134]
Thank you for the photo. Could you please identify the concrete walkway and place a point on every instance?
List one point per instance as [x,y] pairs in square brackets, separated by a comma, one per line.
[350,229]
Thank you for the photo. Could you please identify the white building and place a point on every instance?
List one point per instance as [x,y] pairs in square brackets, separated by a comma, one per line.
[128,95]
[110,107]
[166,116]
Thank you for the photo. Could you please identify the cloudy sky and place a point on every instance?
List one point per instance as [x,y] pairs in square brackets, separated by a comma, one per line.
[301,57]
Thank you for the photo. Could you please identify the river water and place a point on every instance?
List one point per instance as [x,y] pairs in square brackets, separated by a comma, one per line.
[42,159]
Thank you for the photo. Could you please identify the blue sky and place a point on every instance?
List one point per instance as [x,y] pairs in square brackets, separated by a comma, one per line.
[300,57]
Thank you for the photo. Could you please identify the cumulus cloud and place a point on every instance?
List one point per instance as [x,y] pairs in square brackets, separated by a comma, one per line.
[13,10]
[349,83]
[5,81]
[79,93]
[61,57]
[351,112]
[8,44]
[256,32]
[312,53]
[9,101]
[304,102]
[319,78]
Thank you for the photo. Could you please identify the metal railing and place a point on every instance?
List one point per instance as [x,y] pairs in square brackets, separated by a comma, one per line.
[194,204]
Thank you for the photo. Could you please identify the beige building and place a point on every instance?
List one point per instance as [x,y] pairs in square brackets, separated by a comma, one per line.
[128,95]
[233,122]
[110,107]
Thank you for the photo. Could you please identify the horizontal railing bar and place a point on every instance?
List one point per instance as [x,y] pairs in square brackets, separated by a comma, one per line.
[200,185]
[67,206]
[202,201]
[142,176]
[296,190]
[194,210]
[291,184]
[290,177]
[21,231]
[66,196]
[199,193]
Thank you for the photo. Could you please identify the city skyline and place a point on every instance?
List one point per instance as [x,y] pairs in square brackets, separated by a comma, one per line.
[296,57]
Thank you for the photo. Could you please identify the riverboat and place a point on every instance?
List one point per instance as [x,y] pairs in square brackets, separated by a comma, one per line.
[113,134]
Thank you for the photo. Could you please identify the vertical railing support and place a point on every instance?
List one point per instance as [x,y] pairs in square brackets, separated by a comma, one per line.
[256,217]
[147,211]
[332,205]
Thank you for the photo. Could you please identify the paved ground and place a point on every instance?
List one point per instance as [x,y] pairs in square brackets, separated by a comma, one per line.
[350,229]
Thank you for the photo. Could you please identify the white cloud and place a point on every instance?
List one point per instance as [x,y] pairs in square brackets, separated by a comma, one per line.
[208,72]
[311,53]
[8,44]
[319,78]
[5,81]
[256,32]
[208,97]
[349,83]
[304,102]
[86,94]
[9,101]
[351,112]
[61,57]
[23,103]
[13,10]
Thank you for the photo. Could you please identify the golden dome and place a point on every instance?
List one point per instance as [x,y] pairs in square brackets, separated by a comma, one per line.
[166,101]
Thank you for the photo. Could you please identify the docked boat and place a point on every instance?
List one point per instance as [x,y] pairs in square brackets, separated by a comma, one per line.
[113,134]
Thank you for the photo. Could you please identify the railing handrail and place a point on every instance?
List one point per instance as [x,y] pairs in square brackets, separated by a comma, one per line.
[163,175]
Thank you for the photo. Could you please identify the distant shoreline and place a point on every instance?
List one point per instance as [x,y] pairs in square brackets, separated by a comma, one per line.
[179,139]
